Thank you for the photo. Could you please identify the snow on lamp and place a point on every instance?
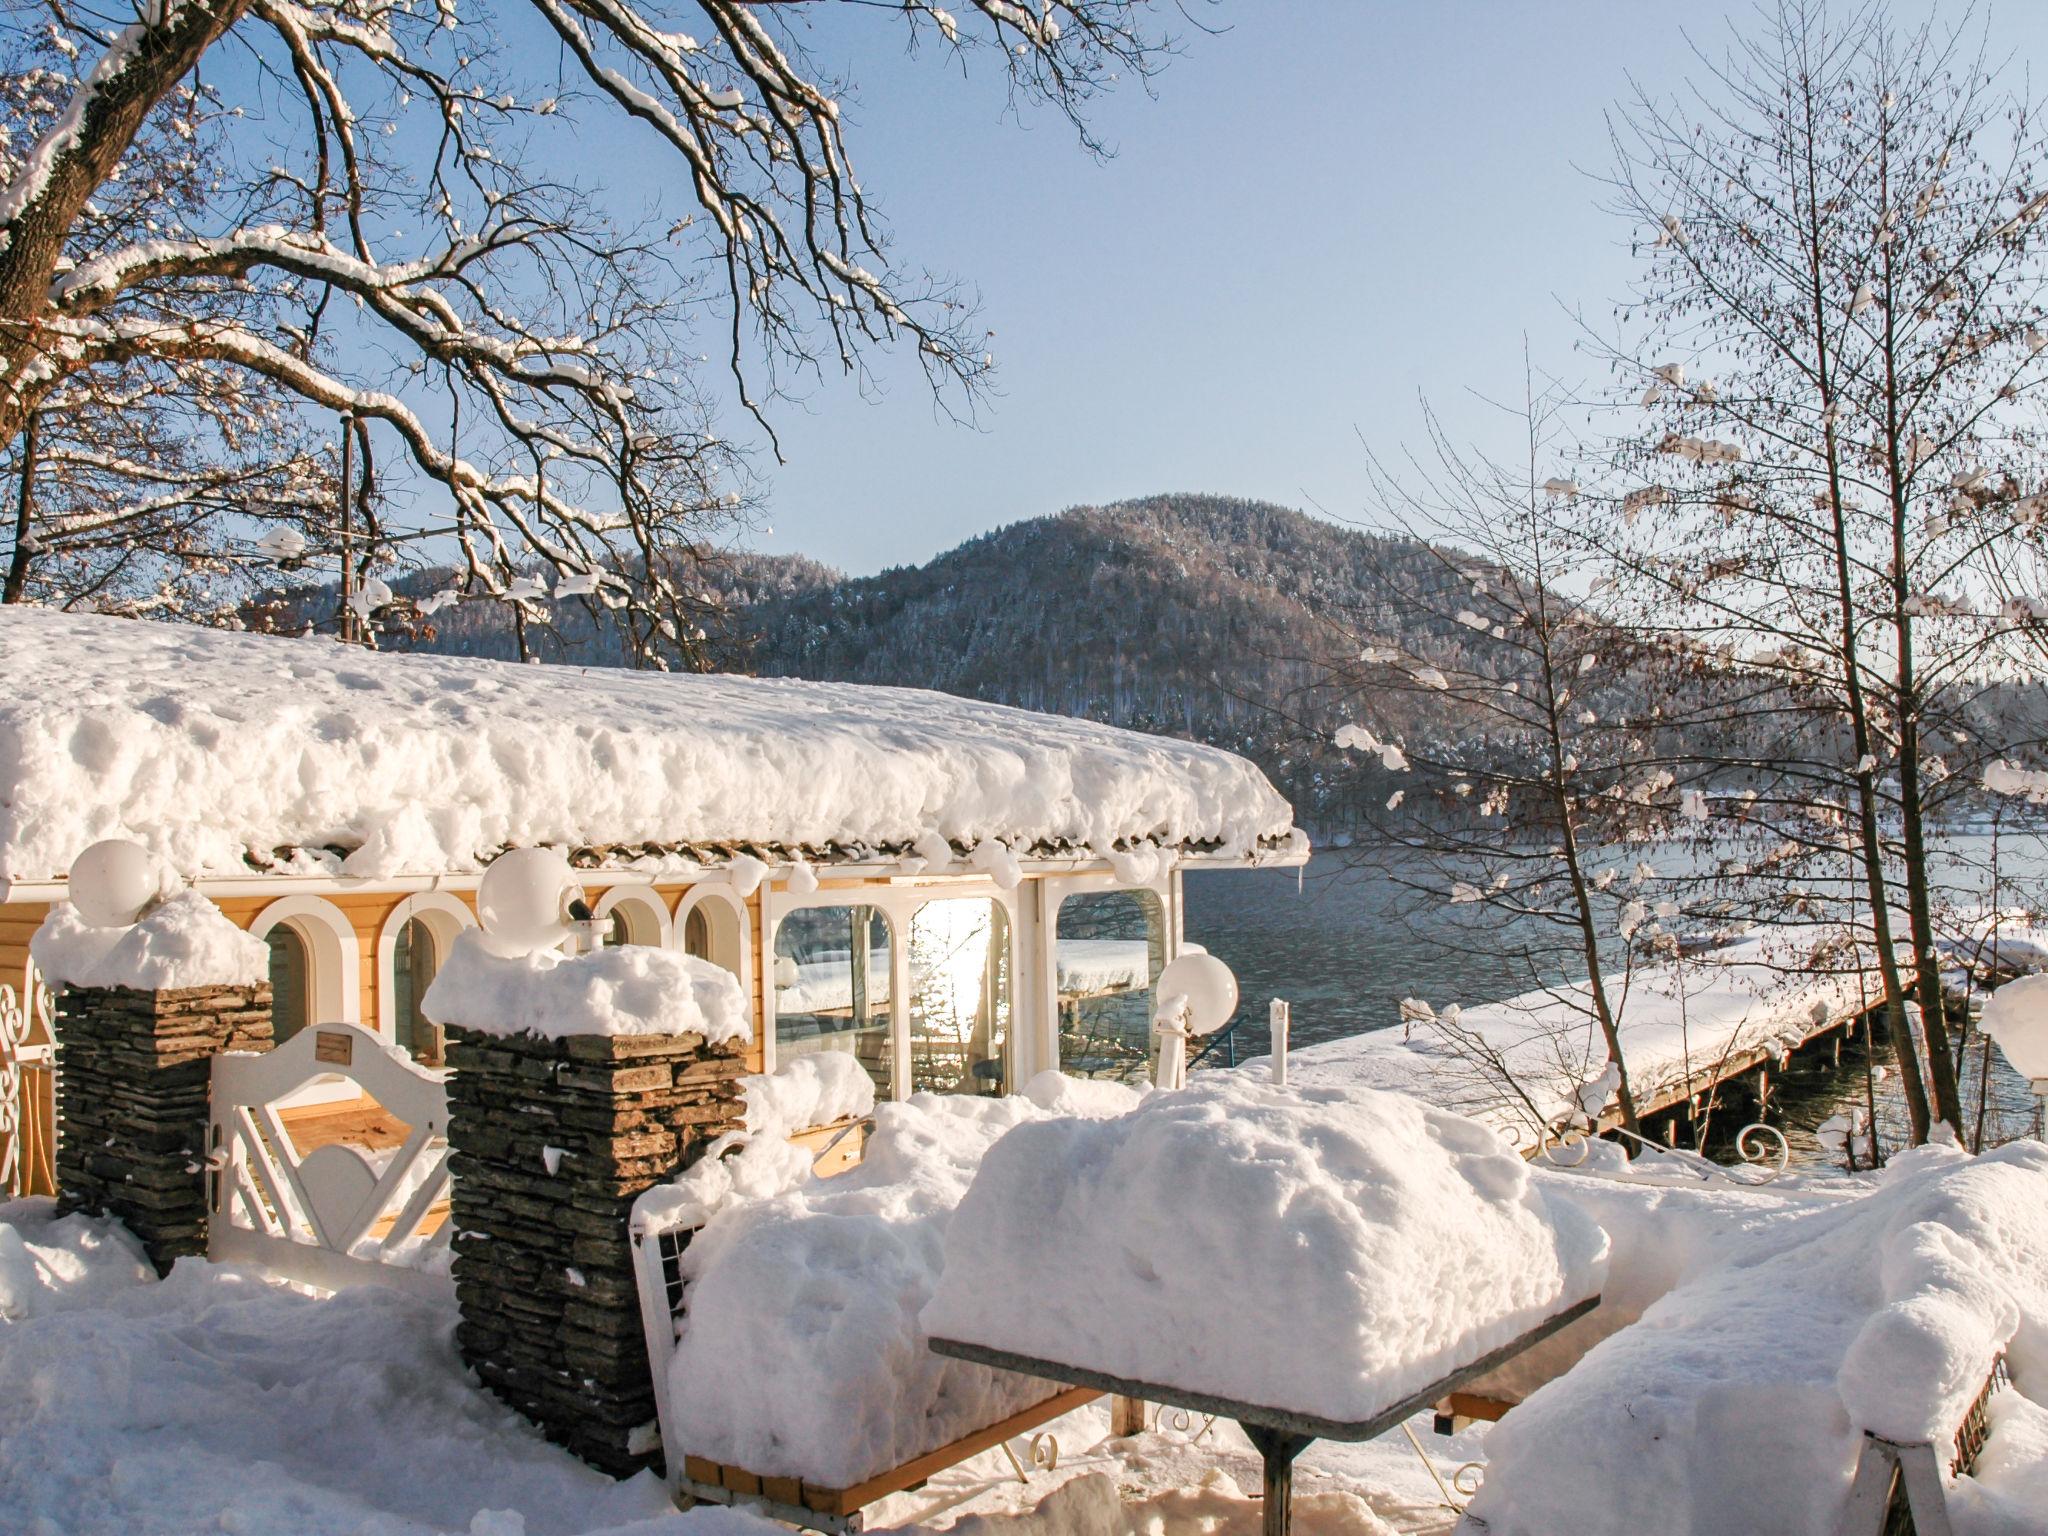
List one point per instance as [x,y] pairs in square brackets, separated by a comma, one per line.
[523,900]
[1197,995]
[2016,1016]
[112,881]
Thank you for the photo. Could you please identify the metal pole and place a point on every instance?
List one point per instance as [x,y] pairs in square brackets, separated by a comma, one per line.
[1277,1449]
[1278,1021]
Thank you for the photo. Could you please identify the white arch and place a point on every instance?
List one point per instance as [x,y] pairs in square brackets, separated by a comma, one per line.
[732,940]
[445,917]
[647,919]
[331,953]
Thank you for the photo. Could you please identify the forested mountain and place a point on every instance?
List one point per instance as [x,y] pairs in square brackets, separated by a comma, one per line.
[1198,616]
[1208,617]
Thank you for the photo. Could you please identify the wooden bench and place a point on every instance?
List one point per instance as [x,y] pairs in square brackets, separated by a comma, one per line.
[657,1252]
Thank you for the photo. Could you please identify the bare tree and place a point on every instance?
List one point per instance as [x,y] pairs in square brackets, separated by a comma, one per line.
[368,211]
[1837,343]
[1550,756]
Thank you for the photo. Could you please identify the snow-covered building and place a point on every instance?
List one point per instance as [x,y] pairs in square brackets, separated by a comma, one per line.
[957,893]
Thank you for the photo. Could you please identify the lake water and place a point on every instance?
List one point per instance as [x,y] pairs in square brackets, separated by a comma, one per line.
[1344,942]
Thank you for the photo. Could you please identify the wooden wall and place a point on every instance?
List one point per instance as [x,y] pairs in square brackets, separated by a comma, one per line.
[366,912]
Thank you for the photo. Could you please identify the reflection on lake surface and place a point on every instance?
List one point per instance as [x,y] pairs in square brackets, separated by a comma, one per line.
[1344,943]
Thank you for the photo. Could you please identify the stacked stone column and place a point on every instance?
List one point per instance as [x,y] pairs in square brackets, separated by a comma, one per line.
[133,1073]
[551,1140]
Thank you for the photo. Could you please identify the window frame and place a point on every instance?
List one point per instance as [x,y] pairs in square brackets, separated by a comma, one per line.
[1052,892]
[899,903]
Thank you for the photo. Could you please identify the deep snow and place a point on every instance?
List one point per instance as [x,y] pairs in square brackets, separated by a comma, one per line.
[215,749]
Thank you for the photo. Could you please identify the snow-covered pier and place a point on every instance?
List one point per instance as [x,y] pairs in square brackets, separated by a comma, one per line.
[1533,1065]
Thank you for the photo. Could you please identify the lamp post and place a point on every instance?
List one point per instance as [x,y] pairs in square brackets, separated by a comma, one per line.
[2016,1016]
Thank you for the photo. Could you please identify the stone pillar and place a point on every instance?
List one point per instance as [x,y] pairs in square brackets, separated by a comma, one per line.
[551,1140]
[133,1073]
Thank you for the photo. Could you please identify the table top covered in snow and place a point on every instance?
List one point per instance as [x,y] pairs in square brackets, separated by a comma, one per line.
[226,752]
[1272,1417]
[1307,1259]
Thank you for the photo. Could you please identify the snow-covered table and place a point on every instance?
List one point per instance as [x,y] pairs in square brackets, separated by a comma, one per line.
[1278,1434]
[1314,1263]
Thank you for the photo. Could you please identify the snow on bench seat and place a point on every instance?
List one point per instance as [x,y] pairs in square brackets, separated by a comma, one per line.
[218,749]
[798,1353]
[1326,1251]
[1738,1400]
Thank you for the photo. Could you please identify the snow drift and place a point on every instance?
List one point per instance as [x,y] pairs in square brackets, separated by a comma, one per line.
[217,749]
[1325,1250]
[800,1353]
[1738,1400]
[625,989]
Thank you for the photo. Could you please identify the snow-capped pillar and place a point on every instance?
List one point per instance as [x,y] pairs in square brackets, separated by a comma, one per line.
[151,987]
[134,1066]
[552,1139]
[577,1082]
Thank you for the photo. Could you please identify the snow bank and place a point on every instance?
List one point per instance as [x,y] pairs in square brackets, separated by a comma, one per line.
[819,1088]
[50,1263]
[1325,1250]
[800,1353]
[183,941]
[624,989]
[1737,1402]
[214,749]
[220,1401]
[1676,1019]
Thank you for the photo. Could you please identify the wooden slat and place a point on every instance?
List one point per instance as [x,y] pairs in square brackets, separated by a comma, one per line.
[1470,1405]
[922,1467]
[842,1502]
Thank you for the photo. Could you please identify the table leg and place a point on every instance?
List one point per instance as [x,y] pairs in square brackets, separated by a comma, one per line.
[1278,1448]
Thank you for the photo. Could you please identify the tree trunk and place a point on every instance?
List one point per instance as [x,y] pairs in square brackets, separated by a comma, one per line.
[138,70]
[24,518]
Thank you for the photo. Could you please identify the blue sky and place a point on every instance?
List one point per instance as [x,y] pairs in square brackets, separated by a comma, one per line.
[1330,209]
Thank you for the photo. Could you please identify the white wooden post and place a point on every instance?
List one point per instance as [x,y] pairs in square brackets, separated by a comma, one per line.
[1278,1017]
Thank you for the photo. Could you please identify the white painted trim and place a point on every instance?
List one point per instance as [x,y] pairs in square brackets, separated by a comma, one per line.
[647,902]
[444,914]
[883,869]
[337,972]
[334,955]
[738,923]
[899,904]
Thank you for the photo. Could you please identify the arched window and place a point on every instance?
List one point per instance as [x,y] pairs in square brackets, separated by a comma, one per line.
[415,957]
[832,975]
[960,981]
[291,981]
[314,963]
[697,933]
[638,916]
[412,946]
[712,924]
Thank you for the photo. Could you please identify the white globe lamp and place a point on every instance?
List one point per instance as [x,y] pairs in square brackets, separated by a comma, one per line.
[1197,995]
[523,900]
[2016,1016]
[112,881]
[1206,984]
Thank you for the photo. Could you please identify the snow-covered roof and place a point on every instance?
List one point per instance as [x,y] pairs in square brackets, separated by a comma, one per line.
[229,752]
